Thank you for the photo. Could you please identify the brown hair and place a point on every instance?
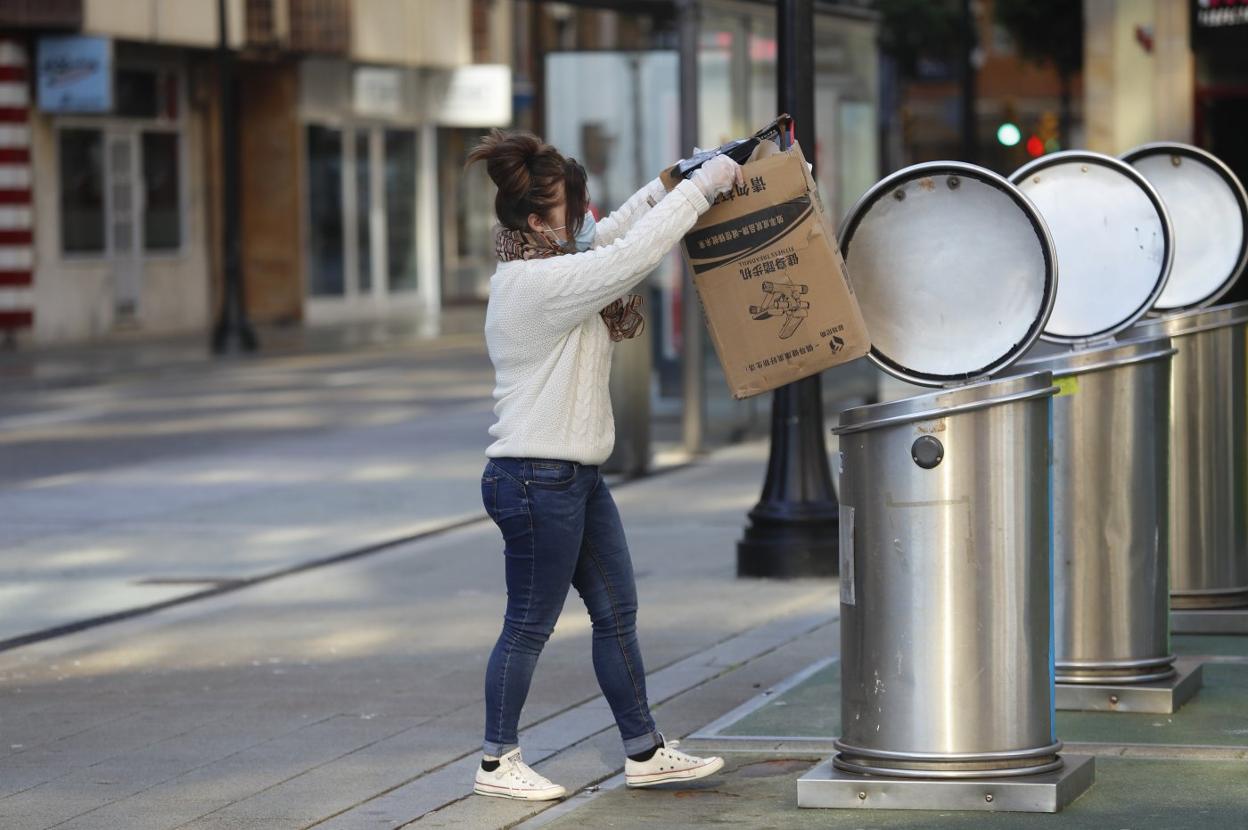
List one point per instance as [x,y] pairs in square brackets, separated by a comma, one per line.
[528,172]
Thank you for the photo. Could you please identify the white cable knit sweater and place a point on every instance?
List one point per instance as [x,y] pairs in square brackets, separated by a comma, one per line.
[550,349]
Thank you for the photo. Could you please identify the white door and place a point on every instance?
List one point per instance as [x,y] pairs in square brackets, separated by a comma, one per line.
[125,197]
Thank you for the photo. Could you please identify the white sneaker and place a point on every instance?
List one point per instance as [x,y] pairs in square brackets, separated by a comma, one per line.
[513,778]
[667,764]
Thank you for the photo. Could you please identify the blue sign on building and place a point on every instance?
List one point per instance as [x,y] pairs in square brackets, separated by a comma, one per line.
[75,74]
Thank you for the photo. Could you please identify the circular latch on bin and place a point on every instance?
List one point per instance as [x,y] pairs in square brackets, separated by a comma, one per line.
[927,451]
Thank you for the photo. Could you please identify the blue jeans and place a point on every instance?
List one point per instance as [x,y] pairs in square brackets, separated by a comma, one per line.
[561,528]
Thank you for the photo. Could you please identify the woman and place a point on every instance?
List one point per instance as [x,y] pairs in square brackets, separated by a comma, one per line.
[555,310]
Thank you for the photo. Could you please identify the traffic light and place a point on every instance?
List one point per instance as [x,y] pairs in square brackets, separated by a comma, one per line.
[1008,132]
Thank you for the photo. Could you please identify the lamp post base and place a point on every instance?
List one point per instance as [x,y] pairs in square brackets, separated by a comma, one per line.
[789,549]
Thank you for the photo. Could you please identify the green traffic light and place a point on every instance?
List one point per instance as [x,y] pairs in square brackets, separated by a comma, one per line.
[1009,134]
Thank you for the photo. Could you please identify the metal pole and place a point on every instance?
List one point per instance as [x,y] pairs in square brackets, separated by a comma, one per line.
[233,332]
[794,528]
[970,135]
[693,387]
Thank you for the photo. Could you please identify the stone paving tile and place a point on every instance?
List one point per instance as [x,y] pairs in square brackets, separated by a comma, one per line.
[22,730]
[125,775]
[23,770]
[352,778]
[242,773]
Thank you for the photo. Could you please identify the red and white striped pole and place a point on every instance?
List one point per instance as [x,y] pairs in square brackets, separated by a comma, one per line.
[17,258]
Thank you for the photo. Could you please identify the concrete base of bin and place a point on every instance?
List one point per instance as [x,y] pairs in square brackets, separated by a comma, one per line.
[1049,792]
[1162,697]
[1211,621]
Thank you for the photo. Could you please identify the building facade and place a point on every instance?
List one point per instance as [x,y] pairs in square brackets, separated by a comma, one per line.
[110,157]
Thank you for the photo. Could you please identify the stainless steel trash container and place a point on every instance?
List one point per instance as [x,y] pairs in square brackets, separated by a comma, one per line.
[1114,243]
[947,669]
[1208,423]
[945,593]
[1110,508]
[1208,446]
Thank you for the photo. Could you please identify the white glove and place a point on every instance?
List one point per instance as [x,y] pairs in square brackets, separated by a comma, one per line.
[717,176]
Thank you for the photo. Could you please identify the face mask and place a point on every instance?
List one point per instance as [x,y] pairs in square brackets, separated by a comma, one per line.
[585,237]
[583,240]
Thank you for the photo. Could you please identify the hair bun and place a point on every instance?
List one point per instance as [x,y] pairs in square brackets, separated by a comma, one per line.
[531,176]
[507,157]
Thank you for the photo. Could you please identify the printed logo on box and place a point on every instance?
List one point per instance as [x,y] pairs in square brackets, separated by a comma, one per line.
[726,242]
[783,299]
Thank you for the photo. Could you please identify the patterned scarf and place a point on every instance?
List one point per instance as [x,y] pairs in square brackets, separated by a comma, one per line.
[623,317]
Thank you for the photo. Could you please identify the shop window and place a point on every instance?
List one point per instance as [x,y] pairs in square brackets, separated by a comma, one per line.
[146,93]
[364,209]
[400,174]
[85,211]
[327,272]
[82,191]
[162,215]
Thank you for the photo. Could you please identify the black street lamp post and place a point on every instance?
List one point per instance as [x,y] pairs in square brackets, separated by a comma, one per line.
[793,530]
[233,332]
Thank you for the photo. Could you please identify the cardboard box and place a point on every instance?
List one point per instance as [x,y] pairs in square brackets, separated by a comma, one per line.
[771,280]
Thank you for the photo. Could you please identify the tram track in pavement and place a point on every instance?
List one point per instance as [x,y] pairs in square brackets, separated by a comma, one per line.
[220,586]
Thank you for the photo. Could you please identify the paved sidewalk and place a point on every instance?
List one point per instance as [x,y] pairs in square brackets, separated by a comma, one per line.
[349,696]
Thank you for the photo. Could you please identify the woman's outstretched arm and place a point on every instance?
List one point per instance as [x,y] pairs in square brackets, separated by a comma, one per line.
[576,286]
[620,220]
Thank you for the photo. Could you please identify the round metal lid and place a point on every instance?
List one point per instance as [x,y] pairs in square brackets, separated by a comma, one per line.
[953,269]
[1114,241]
[1209,211]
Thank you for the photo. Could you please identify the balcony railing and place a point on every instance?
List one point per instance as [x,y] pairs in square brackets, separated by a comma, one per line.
[262,28]
[320,26]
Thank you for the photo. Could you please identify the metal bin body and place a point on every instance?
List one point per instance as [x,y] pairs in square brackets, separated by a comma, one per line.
[1110,508]
[1208,423]
[946,607]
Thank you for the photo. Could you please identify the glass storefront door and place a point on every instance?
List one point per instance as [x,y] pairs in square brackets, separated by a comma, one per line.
[400,209]
[361,212]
